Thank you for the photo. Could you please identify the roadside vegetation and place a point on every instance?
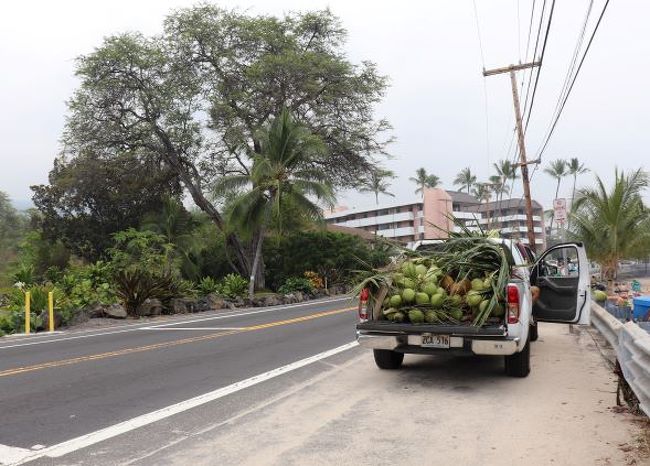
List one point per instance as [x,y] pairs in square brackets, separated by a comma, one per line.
[196,167]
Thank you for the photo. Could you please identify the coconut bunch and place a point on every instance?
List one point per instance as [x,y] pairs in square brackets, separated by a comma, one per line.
[462,281]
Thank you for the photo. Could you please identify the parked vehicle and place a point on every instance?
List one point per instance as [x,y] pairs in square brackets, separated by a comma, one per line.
[562,274]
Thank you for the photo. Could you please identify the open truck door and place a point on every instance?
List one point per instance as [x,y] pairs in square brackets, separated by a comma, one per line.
[562,275]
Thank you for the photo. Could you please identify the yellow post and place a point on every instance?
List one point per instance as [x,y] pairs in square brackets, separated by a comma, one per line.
[50,308]
[28,314]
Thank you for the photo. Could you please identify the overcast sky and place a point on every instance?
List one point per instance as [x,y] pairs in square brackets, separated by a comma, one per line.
[429,49]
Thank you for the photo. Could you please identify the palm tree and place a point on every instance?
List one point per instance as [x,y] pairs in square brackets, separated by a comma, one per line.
[377,183]
[575,168]
[281,175]
[612,224]
[558,170]
[482,192]
[465,178]
[423,180]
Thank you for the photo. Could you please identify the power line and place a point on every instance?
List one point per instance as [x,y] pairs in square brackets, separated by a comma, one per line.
[539,70]
[573,81]
[485,93]
[532,70]
[478,33]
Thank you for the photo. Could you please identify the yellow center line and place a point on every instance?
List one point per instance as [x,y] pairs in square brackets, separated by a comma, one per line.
[168,344]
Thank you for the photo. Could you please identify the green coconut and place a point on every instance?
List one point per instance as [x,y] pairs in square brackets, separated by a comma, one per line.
[397,316]
[457,300]
[437,300]
[430,316]
[473,298]
[477,284]
[422,298]
[599,295]
[408,295]
[421,269]
[408,283]
[498,310]
[429,288]
[484,305]
[416,316]
[408,269]
[395,300]
[456,314]
[441,291]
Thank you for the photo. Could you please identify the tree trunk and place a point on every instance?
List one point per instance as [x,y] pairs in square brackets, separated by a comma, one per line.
[189,176]
[256,261]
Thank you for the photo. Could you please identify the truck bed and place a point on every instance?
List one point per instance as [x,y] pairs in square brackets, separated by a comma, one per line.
[441,329]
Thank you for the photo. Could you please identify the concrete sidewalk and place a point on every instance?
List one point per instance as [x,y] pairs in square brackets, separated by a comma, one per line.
[436,410]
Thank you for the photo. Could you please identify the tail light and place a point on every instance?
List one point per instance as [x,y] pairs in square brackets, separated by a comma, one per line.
[512,305]
[363,304]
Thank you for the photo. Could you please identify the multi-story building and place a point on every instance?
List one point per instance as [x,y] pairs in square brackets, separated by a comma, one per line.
[429,217]
[509,217]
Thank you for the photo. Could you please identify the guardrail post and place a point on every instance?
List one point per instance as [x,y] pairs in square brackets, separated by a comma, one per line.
[50,309]
[28,315]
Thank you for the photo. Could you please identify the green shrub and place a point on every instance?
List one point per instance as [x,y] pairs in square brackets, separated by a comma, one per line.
[135,286]
[23,274]
[208,285]
[293,284]
[233,286]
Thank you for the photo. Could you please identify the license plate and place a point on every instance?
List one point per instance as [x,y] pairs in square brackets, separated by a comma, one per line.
[435,341]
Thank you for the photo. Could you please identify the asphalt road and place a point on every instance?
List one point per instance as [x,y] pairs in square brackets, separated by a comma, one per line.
[54,389]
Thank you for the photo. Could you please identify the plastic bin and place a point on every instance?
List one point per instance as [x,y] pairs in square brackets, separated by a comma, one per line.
[641,307]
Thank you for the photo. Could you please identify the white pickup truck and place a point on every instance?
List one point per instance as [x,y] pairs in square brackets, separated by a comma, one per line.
[562,275]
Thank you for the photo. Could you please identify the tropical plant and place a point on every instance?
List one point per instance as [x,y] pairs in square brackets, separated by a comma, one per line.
[612,223]
[233,286]
[293,284]
[208,285]
[281,176]
[424,181]
[575,168]
[377,183]
[143,267]
[465,179]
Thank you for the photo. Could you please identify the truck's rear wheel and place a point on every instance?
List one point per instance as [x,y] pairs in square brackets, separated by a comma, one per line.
[533,332]
[518,364]
[387,359]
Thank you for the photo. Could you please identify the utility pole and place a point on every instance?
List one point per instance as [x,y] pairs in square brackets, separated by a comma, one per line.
[520,138]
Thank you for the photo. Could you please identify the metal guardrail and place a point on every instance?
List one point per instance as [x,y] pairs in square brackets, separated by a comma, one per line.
[606,324]
[632,345]
[634,357]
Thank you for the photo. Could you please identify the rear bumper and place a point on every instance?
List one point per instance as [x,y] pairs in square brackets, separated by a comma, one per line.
[465,344]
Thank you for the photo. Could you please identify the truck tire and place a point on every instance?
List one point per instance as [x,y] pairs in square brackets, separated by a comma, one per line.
[518,364]
[533,332]
[387,359]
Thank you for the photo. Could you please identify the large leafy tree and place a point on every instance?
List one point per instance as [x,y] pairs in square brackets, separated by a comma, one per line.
[377,183]
[465,179]
[613,223]
[89,197]
[282,176]
[198,94]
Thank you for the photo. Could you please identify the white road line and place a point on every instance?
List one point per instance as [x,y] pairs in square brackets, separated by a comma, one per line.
[180,322]
[12,455]
[69,446]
